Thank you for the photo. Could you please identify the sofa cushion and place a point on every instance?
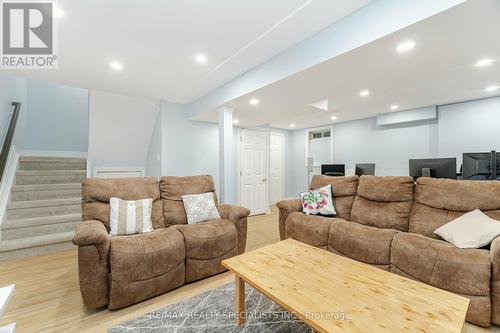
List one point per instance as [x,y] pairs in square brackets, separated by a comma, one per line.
[207,244]
[145,265]
[440,201]
[440,264]
[144,256]
[383,202]
[309,229]
[173,188]
[363,243]
[344,190]
[209,240]
[96,194]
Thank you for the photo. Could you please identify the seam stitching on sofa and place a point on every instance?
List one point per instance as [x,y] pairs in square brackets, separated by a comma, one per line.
[222,255]
[216,236]
[153,277]
[345,255]
[414,277]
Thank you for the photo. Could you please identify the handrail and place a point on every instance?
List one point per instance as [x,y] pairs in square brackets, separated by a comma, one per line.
[8,137]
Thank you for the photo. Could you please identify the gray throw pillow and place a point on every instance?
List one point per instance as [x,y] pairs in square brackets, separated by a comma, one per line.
[200,207]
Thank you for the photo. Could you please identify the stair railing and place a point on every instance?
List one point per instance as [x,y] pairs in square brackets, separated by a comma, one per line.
[9,136]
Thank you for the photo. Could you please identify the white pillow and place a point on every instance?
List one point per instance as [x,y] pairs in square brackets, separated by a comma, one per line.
[200,207]
[130,217]
[470,231]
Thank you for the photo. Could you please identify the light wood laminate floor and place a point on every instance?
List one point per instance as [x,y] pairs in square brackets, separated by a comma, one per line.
[47,298]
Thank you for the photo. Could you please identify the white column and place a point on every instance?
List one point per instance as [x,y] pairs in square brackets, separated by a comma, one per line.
[226,158]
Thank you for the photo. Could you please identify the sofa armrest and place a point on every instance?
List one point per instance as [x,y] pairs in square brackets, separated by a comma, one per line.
[93,263]
[238,215]
[495,259]
[286,207]
[495,280]
[91,232]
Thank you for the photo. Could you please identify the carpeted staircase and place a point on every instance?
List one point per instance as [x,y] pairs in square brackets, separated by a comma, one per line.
[44,208]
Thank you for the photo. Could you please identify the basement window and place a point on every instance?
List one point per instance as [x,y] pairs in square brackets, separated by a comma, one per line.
[319,134]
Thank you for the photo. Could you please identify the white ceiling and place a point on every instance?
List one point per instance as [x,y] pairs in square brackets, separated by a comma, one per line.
[439,70]
[157,40]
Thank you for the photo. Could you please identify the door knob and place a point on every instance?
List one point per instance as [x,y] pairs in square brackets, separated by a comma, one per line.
[264,179]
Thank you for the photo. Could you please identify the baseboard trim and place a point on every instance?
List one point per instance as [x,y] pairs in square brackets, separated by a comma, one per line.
[8,180]
[49,153]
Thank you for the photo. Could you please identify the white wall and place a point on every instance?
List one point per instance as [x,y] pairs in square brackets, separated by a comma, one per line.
[389,148]
[120,129]
[57,118]
[320,150]
[469,127]
[153,159]
[188,147]
[472,126]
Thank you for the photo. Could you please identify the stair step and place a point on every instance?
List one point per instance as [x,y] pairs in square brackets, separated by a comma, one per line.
[37,221]
[52,166]
[43,208]
[39,230]
[34,177]
[51,163]
[17,244]
[45,191]
[31,246]
[51,159]
[38,226]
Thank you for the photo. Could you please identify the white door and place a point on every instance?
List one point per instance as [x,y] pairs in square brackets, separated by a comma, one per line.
[253,166]
[276,166]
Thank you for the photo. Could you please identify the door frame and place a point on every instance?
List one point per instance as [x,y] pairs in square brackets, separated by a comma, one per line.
[238,169]
[282,164]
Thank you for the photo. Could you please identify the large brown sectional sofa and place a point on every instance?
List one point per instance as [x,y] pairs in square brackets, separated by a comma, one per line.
[388,222]
[122,270]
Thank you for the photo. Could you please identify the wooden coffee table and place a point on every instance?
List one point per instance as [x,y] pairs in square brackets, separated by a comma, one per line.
[331,293]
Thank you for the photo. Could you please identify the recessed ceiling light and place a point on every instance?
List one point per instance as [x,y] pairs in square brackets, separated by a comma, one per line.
[333,117]
[58,12]
[235,121]
[292,125]
[491,88]
[405,46]
[117,66]
[201,58]
[394,107]
[364,93]
[484,62]
[254,101]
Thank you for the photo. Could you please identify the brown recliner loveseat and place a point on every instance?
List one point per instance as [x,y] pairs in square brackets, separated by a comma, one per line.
[388,222]
[122,270]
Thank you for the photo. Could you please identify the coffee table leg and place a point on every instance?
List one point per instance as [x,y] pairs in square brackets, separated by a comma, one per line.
[239,288]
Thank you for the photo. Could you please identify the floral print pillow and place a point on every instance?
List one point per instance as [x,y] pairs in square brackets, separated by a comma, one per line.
[318,202]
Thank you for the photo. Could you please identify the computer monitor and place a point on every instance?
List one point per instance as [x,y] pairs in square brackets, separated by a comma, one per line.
[365,169]
[333,169]
[481,166]
[434,167]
